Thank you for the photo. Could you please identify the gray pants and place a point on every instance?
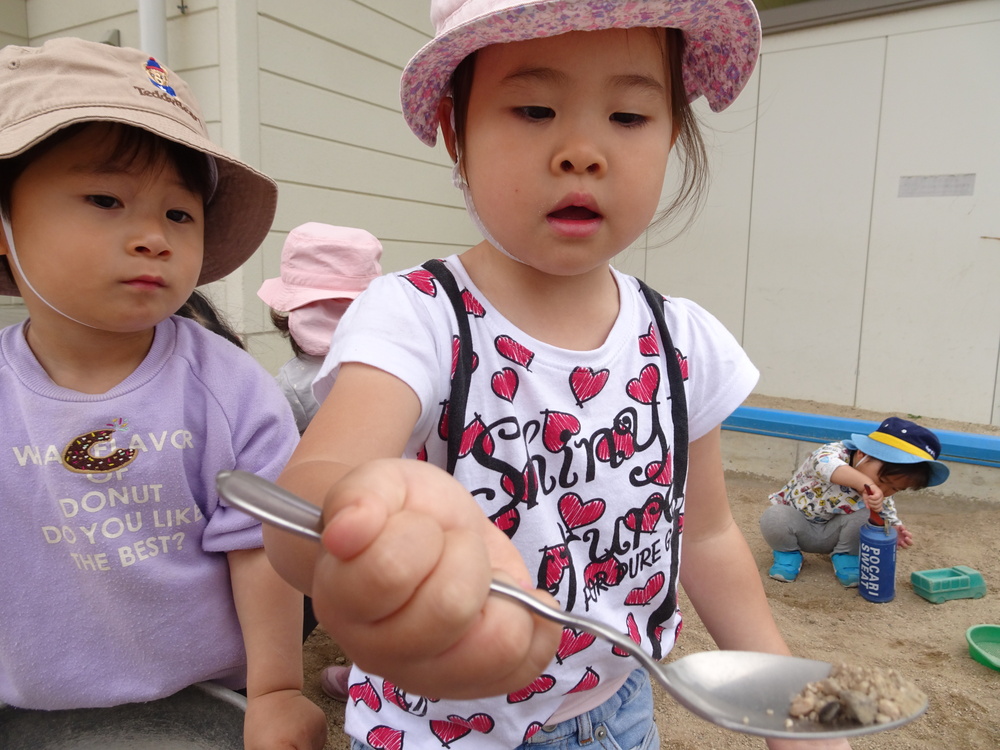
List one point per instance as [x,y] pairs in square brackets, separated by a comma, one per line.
[785,529]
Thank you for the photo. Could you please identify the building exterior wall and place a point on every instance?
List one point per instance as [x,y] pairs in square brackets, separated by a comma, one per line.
[840,290]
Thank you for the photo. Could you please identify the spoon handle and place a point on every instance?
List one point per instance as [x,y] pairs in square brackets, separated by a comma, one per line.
[271,504]
[585,624]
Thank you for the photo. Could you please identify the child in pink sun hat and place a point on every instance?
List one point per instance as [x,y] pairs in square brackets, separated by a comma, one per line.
[323,268]
[524,410]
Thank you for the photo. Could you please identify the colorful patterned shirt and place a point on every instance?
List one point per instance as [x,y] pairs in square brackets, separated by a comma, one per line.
[814,493]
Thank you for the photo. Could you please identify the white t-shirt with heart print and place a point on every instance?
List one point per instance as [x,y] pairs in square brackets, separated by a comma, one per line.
[571,454]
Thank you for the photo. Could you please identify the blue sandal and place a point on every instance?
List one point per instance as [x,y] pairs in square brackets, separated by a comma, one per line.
[845,567]
[786,566]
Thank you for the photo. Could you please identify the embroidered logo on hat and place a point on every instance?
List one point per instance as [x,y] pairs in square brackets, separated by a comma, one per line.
[158,77]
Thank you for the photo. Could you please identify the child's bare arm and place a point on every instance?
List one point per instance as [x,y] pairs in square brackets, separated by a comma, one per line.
[270,613]
[402,579]
[720,575]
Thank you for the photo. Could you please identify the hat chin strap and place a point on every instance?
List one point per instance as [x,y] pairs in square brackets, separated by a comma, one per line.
[459,181]
[9,234]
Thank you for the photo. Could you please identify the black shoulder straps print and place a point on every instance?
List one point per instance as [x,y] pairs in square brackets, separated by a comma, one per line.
[463,372]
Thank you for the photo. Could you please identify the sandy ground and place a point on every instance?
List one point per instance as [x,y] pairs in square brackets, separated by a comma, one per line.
[822,620]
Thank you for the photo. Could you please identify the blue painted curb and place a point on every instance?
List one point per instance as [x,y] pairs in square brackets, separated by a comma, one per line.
[960,447]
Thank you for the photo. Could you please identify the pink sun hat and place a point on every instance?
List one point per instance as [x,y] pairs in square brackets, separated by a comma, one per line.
[321,262]
[722,38]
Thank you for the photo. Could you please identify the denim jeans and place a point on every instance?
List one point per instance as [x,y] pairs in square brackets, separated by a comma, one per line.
[623,722]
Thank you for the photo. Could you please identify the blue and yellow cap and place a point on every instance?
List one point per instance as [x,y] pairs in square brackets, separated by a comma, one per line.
[900,441]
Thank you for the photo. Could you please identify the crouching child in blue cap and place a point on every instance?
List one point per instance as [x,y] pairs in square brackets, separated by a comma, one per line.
[825,504]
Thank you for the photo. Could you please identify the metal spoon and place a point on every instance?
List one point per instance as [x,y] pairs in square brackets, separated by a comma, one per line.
[744,691]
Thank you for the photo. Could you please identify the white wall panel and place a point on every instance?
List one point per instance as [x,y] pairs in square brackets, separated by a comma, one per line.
[293,157]
[13,22]
[50,18]
[319,112]
[817,135]
[291,53]
[708,262]
[349,24]
[932,312]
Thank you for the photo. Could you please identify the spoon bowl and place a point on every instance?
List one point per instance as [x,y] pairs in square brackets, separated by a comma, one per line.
[744,691]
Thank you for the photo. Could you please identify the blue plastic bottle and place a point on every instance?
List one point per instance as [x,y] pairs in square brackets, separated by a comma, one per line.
[877,561]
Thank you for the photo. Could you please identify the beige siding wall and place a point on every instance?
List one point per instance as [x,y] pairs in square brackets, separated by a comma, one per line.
[332,132]
[840,289]
[804,249]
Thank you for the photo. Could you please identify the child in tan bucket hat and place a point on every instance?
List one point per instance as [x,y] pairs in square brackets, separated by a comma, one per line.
[133,579]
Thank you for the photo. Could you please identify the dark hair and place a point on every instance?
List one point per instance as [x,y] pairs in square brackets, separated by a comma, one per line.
[686,129]
[126,148]
[280,321]
[200,309]
[917,476]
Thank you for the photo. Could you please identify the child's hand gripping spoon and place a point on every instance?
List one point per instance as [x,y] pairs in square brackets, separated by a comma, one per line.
[743,691]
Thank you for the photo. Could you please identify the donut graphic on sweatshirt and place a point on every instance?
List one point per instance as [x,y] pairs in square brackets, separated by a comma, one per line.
[77,456]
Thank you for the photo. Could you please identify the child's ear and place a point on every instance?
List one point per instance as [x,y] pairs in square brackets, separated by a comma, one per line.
[446,119]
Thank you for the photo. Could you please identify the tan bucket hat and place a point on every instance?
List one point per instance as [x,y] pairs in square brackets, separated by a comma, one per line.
[67,81]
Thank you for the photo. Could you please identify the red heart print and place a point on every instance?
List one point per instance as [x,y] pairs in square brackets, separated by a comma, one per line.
[394,695]
[576,513]
[508,521]
[683,362]
[589,681]
[633,633]
[531,731]
[555,561]
[510,349]
[603,573]
[385,738]
[482,723]
[660,473]
[447,732]
[645,594]
[648,345]
[505,384]
[643,388]
[573,642]
[586,383]
[619,444]
[455,348]
[472,306]
[364,692]
[422,280]
[559,428]
[650,516]
[472,432]
[530,483]
[543,684]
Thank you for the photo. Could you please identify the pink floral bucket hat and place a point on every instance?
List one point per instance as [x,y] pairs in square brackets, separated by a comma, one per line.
[722,37]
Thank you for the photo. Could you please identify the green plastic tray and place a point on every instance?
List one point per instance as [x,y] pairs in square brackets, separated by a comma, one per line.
[984,644]
[942,584]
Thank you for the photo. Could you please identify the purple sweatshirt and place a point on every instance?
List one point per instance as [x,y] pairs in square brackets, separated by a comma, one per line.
[113,541]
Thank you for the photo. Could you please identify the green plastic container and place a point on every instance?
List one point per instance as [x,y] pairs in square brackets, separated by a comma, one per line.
[984,644]
[942,584]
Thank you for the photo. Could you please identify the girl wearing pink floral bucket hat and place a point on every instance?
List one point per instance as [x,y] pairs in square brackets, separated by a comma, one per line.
[528,383]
